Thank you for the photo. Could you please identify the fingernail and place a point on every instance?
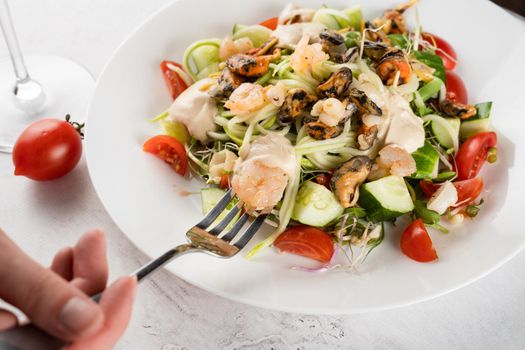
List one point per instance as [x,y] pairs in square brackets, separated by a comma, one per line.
[81,316]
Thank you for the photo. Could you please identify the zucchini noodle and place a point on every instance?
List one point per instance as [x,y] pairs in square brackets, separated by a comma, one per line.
[187,60]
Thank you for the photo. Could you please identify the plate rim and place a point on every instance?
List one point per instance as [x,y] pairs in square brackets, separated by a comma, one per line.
[251,301]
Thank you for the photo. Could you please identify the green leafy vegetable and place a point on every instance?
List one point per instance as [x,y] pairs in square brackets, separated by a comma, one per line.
[398,40]
[433,61]
[429,217]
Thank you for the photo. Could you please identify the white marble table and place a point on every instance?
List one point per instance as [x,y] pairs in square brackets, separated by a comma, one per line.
[170,314]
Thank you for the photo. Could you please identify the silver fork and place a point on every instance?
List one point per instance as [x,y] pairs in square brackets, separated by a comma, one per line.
[203,237]
[214,240]
[208,238]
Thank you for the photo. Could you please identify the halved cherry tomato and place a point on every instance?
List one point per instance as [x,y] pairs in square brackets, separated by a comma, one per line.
[176,85]
[225,182]
[428,188]
[416,243]
[473,153]
[468,190]
[270,23]
[456,90]
[170,150]
[47,149]
[307,241]
[444,50]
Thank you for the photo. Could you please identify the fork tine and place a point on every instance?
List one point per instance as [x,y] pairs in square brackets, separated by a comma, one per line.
[236,228]
[225,221]
[250,232]
[216,211]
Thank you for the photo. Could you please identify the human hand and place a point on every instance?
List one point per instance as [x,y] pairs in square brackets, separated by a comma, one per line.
[57,299]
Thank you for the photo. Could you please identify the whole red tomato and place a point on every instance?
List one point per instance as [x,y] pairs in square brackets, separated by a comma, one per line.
[47,149]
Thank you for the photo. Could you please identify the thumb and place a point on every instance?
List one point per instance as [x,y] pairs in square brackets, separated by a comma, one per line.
[48,300]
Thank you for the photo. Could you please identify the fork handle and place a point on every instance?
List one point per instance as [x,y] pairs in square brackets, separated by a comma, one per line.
[30,337]
[154,265]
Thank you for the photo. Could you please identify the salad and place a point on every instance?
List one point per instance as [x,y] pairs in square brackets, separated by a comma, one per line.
[333,125]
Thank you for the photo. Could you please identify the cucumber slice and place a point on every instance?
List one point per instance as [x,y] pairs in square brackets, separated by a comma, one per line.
[430,89]
[325,16]
[203,56]
[427,162]
[209,198]
[472,127]
[176,129]
[257,34]
[238,27]
[355,17]
[315,205]
[479,123]
[386,198]
[446,134]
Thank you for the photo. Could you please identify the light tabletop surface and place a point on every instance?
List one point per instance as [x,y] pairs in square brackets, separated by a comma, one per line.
[169,313]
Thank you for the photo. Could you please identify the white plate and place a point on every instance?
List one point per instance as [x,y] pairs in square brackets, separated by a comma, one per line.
[142,194]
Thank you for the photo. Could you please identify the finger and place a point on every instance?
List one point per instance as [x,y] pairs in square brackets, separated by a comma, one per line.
[117,302]
[48,300]
[63,263]
[90,265]
[7,320]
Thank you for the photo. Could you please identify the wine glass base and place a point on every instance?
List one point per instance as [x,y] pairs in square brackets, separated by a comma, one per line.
[67,85]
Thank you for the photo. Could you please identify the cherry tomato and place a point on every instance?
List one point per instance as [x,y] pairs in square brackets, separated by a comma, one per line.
[443,50]
[473,153]
[270,23]
[47,149]
[307,241]
[456,90]
[170,150]
[428,187]
[416,243]
[176,85]
[225,182]
[468,190]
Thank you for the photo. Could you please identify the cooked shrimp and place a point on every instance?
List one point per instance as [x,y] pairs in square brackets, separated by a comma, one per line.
[245,99]
[260,178]
[275,94]
[229,47]
[393,160]
[330,111]
[221,163]
[306,56]
[258,185]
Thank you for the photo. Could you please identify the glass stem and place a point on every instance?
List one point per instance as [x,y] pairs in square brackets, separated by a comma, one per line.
[22,76]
